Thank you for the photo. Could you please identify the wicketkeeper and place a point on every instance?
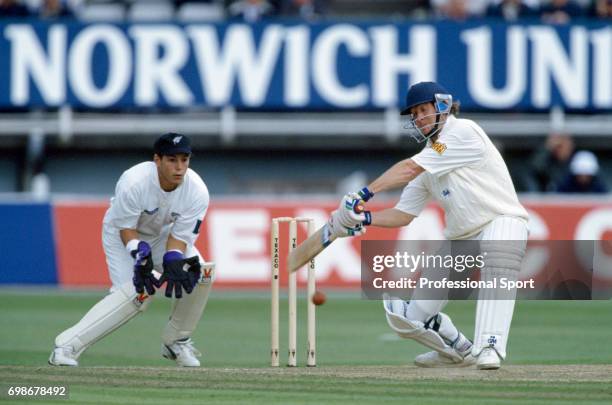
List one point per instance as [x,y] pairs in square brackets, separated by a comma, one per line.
[148,235]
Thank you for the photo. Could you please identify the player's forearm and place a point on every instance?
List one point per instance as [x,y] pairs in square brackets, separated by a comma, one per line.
[397,176]
[175,244]
[391,218]
[128,235]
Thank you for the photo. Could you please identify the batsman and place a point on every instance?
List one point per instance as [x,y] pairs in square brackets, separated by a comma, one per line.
[148,235]
[460,168]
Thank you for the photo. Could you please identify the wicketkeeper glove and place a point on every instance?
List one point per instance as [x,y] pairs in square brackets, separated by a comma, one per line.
[179,273]
[143,278]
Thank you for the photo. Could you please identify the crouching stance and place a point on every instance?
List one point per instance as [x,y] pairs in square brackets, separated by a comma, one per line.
[148,235]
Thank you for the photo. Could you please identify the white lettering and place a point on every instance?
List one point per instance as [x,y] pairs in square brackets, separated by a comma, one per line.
[29,60]
[238,244]
[602,67]
[480,67]
[550,62]
[594,224]
[387,64]
[296,66]
[377,266]
[155,73]
[80,65]
[218,68]
[324,64]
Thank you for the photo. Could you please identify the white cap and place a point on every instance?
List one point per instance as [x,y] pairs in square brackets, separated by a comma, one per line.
[584,163]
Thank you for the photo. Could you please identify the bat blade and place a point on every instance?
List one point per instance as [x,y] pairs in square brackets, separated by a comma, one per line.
[308,249]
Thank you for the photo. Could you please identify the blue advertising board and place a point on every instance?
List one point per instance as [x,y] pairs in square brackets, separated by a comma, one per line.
[28,248]
[488,66]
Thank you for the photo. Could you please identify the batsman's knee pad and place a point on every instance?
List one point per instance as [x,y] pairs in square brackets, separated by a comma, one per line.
[503,254]
[187,311]
[425,333]
[107,315]
[502,263]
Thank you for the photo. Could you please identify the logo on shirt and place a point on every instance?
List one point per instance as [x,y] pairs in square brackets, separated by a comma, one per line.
[177,139]
[175,215]
[445,193]
[151,212]
[438,147]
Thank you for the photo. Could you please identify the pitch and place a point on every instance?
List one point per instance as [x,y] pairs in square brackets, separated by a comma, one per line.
[558,353]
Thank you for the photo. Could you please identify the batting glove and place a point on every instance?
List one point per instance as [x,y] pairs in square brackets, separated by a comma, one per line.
[351,213]
[336,230]
[346,212]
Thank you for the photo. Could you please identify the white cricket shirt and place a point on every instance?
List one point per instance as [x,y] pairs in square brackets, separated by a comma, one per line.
[140,203]
[467,176]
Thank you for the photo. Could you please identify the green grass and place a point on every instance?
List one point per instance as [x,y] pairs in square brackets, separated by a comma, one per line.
[360,360]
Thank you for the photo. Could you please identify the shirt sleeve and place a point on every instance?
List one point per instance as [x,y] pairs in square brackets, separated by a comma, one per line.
[414,197]
[187,226]
[454,150]
[125,206]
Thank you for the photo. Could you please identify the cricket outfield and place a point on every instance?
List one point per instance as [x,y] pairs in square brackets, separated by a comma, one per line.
[559,353]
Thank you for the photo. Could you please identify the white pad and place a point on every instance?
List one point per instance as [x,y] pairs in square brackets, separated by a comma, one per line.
[422,309]
[504,242]
[187,311]
[395,310]
[107,315]
[493,319]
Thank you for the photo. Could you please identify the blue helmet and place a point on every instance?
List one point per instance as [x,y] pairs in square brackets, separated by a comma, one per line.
[427,92]
[424,92]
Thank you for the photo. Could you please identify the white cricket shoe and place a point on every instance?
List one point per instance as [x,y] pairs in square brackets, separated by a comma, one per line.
[183,352]
[63,356]
[488,359]
[434,359]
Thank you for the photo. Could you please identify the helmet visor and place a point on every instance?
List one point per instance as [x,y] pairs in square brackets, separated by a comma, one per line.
[442,104]
[424,132]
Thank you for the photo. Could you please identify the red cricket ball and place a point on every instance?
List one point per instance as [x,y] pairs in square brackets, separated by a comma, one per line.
[319,298]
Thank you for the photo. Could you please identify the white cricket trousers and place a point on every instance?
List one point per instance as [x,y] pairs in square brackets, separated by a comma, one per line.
[493,317]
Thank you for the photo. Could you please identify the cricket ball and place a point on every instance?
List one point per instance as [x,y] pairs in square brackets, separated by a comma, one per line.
[318,298]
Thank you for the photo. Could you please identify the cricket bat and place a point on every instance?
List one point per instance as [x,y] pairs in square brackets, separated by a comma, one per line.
[312,246]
